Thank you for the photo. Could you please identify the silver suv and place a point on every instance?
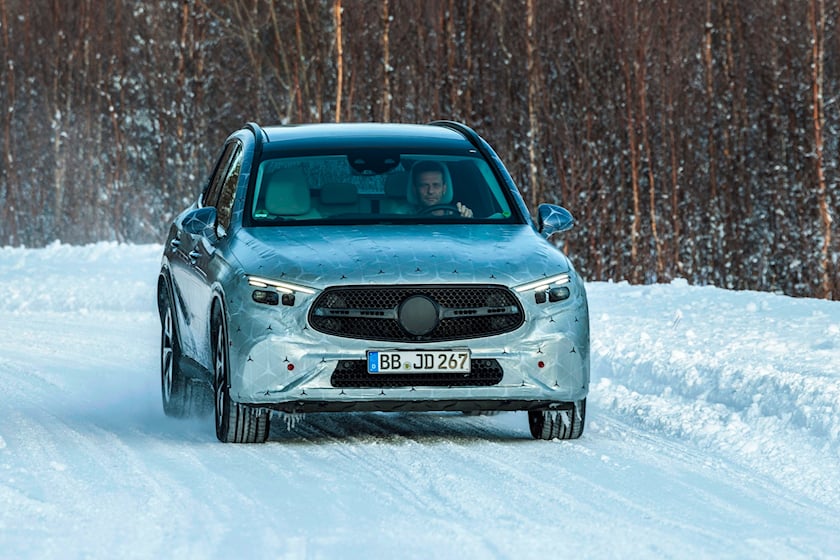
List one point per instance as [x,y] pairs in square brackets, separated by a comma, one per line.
[369,267]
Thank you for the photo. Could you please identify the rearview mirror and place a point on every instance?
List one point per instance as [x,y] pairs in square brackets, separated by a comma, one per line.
[554,219]
[201,221]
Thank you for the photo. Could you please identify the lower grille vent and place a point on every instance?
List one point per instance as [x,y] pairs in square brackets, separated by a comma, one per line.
[353,373]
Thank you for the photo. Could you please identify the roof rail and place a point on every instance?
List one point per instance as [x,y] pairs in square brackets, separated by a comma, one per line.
[258,131]
[471,135]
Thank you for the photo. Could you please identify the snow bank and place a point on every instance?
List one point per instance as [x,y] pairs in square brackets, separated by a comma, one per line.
[66,278]
[752,376]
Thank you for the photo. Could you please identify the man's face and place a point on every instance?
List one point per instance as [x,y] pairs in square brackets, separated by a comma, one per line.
[430,187]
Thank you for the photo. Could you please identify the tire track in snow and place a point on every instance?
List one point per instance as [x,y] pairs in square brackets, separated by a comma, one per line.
[431,466]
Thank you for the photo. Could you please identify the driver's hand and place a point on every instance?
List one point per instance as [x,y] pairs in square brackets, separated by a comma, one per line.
[465,212]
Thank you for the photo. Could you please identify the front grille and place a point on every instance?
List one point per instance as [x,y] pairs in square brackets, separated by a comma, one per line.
[373,312]
[353,373]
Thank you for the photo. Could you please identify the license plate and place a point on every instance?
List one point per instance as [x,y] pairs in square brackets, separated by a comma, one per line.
[418,361]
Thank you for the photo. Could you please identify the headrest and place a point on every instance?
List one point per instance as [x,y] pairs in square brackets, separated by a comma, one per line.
[339,193]
[422,167]
[287,193]
[395,185]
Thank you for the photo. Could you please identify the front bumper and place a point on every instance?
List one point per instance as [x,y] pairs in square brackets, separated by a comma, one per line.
[279,362]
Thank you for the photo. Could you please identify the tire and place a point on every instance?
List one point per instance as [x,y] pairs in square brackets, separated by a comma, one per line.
[181,396]
[235,423]
[558,424]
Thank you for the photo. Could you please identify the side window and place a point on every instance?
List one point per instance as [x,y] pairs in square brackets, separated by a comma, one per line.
[211,195]
[224,205]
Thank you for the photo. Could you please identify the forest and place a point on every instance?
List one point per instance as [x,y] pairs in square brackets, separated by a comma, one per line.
[690,139]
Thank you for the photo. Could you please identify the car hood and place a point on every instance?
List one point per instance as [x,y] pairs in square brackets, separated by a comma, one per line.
[321,256]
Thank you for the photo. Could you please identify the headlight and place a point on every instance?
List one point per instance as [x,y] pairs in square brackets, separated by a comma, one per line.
[266,292]
[551,288]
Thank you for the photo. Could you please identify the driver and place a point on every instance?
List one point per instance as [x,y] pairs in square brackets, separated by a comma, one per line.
[431,186]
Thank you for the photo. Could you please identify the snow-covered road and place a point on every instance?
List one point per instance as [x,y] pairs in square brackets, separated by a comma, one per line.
[713,431]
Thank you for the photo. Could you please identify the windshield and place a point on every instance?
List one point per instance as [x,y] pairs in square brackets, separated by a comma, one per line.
[378,187]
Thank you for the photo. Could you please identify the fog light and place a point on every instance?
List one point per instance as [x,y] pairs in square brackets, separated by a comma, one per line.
[289,299]
[558,294]
[539,297]
[265,296]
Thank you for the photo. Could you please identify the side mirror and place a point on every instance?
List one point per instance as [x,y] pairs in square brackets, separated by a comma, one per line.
[201,221]
[554,219]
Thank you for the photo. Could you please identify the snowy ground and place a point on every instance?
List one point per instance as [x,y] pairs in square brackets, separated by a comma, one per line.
[713,431]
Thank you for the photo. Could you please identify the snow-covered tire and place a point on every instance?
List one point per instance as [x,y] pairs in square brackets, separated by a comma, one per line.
[558,424]
[181,396]
[235,423]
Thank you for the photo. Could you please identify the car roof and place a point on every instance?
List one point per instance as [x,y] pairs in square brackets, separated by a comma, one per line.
[368,135]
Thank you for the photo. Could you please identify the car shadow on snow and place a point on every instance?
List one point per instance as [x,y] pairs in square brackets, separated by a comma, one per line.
[392,426]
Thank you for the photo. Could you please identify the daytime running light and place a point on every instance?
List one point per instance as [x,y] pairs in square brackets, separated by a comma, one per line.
[282,287]
[544,283]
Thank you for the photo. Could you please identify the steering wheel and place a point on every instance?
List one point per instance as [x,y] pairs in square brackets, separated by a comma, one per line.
[445,209]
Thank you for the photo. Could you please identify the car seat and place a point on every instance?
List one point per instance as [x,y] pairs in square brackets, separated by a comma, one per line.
[288,195]
[396,186]
[339,198]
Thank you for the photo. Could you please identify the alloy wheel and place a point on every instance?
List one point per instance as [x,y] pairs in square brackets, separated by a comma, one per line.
[220,379]
[167,355]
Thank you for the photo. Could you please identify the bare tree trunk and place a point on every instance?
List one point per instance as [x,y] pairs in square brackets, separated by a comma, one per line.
[245,20]
[781,143]
[199,79]
[282,70]
[501,11]
[181,80]
[468,110]
[533,121]
[451,49]
[7,166]
[386,62]
[634,180]
[632,141]
[351,91]
[339,59]
[59,155]
[676,223]
[56,117]
[299,75]
[640,72]
[734,203]
[712,249]
[816,22]
[708,61]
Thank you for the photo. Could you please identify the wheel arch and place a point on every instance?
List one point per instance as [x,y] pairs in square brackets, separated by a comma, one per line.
[218,309]
[164,289]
